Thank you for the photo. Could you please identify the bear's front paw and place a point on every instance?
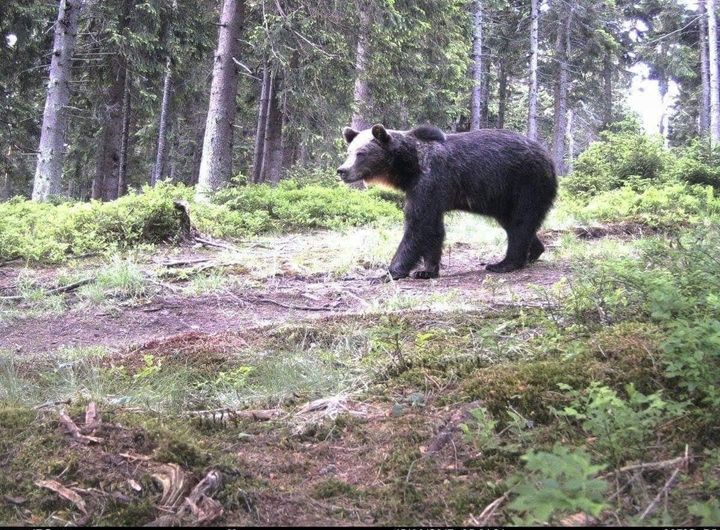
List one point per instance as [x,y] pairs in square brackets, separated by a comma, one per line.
[424,275]
[503,266]
[387,277]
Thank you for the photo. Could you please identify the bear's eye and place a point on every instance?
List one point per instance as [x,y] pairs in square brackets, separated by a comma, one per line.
[361,154]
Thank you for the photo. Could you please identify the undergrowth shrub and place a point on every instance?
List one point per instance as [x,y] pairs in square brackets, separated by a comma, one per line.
[290,206]
[669,206]
[625,158]
[621,428]
[675,285]
[698,164]
[556,484]
[51,233]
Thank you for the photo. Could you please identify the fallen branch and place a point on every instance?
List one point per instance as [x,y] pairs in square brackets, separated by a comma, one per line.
[647,465]
[488,512]
[57,290]
[9,261]
[182,263]
[73,429]
[210,243]
[261,300]
[683,461]
[653,505]
[227,415]
[65,493]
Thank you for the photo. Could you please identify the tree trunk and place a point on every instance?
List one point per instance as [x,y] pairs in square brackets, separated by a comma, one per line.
[361,93]
[570,141]
[107,170]
[714,74]
[562,53]
[199,122]
[289,143]
[663,89]
[272,157]
[162,146]
[477,96]
[502,94]
[704,110]
[261,124]
[105,183]
[533,84]
[216,161]
[124,138]
[51,152]
[5,188]
[608,90]
[485,103]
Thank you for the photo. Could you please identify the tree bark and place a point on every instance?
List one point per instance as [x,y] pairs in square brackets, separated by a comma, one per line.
[361,92]
[477,96]
[570,141]
[261,124]
[216,161]
[105,183]
[272,157]
[714,73]
[562,52]
[704,110]
[124,138]
[199,122]
[533,82]
[608,90]
[663,83]
[289,139]
[107,170]
[159,169]
[51,152]
[502,94]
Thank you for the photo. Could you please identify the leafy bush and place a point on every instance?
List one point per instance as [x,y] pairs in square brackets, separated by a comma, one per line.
[624,158]
[675,284]
[51,232]
[698,164]
[290,206]
[668,206]
[555,484]
[621,428]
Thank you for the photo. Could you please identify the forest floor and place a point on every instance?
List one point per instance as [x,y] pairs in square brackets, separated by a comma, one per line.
[272,383]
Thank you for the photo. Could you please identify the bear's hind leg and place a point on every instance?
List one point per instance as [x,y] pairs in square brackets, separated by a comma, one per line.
[520,237]
[536,249]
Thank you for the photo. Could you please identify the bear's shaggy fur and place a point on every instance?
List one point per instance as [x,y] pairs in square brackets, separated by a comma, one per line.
[497,173]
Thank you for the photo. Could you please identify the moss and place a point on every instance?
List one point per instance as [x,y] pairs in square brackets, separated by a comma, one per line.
[530,387]
[332,487]
[132,514]
[16,418]
[181,452]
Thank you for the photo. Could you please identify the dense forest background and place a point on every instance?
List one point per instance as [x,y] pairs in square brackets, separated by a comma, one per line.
[289,74]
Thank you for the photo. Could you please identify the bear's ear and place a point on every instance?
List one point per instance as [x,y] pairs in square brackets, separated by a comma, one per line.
[380,133]
[349,133]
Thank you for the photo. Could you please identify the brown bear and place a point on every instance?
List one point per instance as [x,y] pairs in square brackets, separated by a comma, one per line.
[497,173]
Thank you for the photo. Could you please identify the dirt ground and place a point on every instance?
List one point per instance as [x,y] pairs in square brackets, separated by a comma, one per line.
[277,299]
[387,460]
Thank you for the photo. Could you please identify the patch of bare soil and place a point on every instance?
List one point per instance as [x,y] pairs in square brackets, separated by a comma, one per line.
[278,300]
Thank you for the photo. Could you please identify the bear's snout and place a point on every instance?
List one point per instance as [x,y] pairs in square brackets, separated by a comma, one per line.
[343,172]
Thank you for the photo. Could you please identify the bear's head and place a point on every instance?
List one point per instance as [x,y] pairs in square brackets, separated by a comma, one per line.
[378,155]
